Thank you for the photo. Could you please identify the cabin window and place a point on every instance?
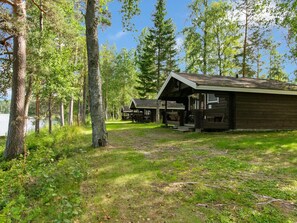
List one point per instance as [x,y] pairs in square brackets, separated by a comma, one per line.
[211,98]
[147,112]
[194,101]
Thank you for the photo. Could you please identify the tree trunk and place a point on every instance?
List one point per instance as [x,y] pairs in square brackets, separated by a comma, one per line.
[70,114]
[245,41]
[27,100]
[78,112]
[99,134]
[205,41]
[15,137]
[258,62]
[50,123]
[62,120]
[84,103]
[37,118]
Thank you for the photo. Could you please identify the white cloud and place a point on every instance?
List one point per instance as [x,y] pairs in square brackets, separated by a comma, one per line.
[118,35]
[179,43]
[265,14]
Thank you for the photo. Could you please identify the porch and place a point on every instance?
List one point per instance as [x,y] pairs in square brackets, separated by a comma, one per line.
[203,112]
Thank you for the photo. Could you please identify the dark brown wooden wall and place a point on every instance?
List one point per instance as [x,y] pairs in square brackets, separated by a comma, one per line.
[265,111]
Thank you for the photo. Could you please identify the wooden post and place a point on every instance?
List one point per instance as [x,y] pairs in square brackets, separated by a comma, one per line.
[165,115]
[182,118]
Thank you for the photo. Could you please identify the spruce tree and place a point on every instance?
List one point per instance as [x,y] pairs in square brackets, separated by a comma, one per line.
[145,56]
[156,52]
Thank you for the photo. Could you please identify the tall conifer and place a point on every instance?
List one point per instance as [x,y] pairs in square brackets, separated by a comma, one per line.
[156,52]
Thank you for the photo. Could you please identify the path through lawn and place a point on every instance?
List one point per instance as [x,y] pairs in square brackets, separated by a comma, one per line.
[149,173]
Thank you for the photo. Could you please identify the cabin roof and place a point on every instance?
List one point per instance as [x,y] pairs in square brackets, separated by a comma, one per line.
[126,109]
[152,104]
[230,84]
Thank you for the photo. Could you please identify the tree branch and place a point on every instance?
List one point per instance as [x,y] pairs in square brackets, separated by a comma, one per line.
[7,2]
[4,41]
[38,6]
[5,59]
[6,53]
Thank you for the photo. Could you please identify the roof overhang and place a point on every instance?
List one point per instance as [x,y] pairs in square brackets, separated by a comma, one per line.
[221,88]
[245,90]
[173,75]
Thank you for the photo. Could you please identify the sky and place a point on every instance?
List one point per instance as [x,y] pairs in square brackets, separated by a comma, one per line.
[176,9]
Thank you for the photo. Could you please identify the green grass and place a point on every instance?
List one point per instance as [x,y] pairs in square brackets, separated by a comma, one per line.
[149,173]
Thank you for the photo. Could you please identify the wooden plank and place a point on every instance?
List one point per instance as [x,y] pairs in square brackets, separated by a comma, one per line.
[260,111]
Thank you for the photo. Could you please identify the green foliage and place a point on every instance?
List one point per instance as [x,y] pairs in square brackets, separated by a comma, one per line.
[44,186]
[156,53]
[198,43]
[119,74]
[129,9]
[286,17]
[156,174]
[4,107]
[224,31]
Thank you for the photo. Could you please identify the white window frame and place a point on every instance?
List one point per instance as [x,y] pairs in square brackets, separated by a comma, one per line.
[212,101]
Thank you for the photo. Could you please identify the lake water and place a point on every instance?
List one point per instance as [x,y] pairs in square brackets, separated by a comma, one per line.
[4,119]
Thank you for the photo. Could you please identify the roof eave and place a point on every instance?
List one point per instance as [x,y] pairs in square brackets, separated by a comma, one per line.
[245,90]
[177,77]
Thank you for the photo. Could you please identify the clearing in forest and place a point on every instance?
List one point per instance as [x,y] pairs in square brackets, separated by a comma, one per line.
[150,173]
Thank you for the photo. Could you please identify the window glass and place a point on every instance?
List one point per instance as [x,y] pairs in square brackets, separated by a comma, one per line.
[211,98]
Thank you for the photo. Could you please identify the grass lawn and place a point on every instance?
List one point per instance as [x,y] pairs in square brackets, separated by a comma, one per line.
[152,174]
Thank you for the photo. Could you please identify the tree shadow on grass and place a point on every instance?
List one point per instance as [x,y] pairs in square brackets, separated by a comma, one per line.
[129,179]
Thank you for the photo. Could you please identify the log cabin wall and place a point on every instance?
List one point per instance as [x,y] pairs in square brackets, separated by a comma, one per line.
[217,117]
[265,111]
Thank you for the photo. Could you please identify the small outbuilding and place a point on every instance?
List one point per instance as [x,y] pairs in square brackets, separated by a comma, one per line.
[145,110]
[223,103]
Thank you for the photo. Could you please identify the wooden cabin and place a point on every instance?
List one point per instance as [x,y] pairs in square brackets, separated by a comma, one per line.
[126,113]
[145,110]
[223,103]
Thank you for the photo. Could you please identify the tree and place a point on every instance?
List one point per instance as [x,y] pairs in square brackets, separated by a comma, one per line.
[287,18]
[107,67]
[119,75]
[53,56]
[145,59]
[275,68]
[126,74]
[254,21]
[99,134]
[225,34]
[15,137]
[197,39]
[157,58]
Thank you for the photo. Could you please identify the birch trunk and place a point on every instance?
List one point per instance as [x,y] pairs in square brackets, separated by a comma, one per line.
[50,123]
[84,103]
[37,118]
[70,114]
[99,134]
[37,111]
[16,134]
[28,100]
[62,120]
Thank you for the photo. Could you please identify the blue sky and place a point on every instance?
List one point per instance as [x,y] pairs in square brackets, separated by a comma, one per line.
[176,9]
